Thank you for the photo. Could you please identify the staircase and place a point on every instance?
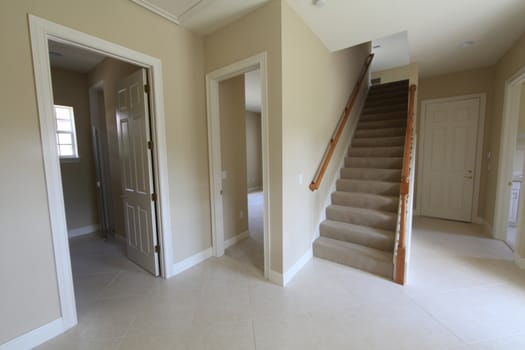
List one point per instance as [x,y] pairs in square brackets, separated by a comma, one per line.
[361,222]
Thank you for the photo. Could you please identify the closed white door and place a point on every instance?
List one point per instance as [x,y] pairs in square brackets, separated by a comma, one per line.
[136,171]
[449,159]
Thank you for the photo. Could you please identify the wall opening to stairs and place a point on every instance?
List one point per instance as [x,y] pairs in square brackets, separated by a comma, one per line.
[361,223]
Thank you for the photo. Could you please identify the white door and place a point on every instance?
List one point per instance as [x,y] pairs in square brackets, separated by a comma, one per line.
[449,159]
[136,171]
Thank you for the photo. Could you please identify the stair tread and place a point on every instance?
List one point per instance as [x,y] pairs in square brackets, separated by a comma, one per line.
[358,234]
[364,211]
[353,248]
[365,194]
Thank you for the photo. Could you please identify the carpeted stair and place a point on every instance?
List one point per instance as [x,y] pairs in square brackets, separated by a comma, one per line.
[360,224]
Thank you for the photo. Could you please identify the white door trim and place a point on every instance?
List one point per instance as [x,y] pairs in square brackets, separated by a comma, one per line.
[214,149]
[479,147]
[507,146]
[41,31]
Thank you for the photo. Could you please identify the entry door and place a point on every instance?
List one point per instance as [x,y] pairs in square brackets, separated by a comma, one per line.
[136,171]
[449,159]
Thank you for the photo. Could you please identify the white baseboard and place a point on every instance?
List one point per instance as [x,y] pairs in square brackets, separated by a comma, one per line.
[299,264]
[520,261]
[36,337]
[255,189]
[190,262]
[84,230]
[236,239]
[276,278]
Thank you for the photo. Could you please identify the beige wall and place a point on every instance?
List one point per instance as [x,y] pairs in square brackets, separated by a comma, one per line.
[233,156]
[316,86]
[257,32]
[25,214]
[78,176]
[410,72]
[109,72]
[465,83]
[253,151]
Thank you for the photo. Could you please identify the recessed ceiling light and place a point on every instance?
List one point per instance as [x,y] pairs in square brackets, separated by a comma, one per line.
[319,3]
[468,43]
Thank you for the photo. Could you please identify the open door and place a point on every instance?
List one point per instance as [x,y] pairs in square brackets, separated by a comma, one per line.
[136,170]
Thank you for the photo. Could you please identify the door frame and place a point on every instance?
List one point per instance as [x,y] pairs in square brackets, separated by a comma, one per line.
[482,97]
[41,31]
[507,147]
[213,79]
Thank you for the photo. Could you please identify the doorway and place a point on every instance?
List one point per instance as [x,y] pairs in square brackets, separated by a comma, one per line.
[451,141]
[246,160]
[513,111]
[42,31]
[215,145]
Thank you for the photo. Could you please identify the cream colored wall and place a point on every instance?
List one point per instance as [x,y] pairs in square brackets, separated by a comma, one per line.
[257,32]
[316,86]
[78,177]
[233,156]
[29,295]
[110,71]
[253,150]
[410,72]
[465,83]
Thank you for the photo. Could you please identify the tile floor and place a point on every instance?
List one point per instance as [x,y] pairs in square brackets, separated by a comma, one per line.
[251,250]
[464,293]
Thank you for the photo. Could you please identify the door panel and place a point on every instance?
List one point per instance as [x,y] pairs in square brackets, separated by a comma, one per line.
[136,168]
[449,158]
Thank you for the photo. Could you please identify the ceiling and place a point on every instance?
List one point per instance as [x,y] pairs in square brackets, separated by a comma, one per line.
[435,30]
[72,58]
[202,16]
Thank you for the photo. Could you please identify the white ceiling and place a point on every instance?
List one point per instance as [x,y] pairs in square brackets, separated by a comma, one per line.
[390,51]
[252,88]
[72,58]
[202,16]
[435,29]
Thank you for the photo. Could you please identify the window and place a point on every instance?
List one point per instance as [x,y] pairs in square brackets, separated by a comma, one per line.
[66,135]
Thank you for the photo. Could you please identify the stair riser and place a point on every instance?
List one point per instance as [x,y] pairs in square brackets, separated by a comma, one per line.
[372,117]
[382,243]
[375,202]
[381,124]
[387,132]
[376,151]
[378,220]
[378,101]
[378,163]
[371,174]
[378,142]
[358,261]
[386,189]
[387,108]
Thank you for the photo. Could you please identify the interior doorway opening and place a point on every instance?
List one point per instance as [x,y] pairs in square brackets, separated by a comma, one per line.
[43,31]
[216,138]
[248,245]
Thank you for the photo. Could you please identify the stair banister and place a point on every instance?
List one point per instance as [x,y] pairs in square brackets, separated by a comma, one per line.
[327,156]
[399,274]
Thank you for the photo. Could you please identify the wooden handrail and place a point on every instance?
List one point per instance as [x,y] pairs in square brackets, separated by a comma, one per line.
[327,156]
[404,190]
